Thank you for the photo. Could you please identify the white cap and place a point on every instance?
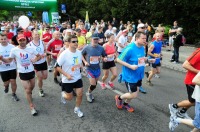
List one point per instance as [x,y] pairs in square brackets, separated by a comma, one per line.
[114,28]
[140,25]
[68,30]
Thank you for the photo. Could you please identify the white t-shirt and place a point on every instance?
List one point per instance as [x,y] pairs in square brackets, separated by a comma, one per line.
[122,40]
[23,58]
[133,39]
[196,93]
[5,52]
[40,49]
[71,64]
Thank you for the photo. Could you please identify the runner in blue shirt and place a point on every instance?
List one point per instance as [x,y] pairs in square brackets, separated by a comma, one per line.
[133,61]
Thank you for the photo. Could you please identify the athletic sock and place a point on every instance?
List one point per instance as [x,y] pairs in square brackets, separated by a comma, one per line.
[183,110]
[119,98]
[175,106]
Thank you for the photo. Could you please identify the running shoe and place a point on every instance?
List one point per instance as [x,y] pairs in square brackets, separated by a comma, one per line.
[33,112]
[156,76]
[118,102]
[6,89]
[172,110]
[41,93]
[149,83]
[128,108]
[173,123]
[147,74]
[142,90]
[103,86]
[14,97]
[63,100]
[49,69]
[111,84]
[78,112]
[183,115]
[89,97]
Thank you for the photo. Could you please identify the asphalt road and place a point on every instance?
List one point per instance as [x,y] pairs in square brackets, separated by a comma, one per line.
[151,109]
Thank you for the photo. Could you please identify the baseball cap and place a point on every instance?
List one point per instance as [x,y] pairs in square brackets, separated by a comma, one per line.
[140,25]
[83,31]
[114,28]
[68,30]
[20,36]
[95,36]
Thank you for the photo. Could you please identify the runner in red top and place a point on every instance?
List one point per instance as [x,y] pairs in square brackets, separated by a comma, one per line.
[53,48]
[47,36]
[109,48]
[9,34]
[192,64]
[28,34]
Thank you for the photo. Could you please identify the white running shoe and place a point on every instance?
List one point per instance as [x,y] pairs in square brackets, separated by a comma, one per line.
[183,115]
[172,110]
[63,100]
[173,123]
[78,112]
[33,112]
[89,97]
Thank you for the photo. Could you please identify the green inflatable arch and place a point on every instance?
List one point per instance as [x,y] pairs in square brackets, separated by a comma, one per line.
[50,6]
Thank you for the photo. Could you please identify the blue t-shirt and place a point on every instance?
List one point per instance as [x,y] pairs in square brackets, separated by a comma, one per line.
[156,50]
[93,55]
[133,55]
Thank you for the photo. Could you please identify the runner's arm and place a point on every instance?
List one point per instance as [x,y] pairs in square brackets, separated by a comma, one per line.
[6,60]
[196,79]
[189,67]
[150,50]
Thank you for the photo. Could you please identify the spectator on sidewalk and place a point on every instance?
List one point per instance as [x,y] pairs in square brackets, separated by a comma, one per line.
[177,43]
[172,32]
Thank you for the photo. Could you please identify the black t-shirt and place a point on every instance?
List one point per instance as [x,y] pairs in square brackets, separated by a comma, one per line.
[62,29]
[174,33]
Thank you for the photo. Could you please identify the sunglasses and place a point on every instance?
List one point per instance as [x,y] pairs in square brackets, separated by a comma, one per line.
[74,41]
[142,27]
[96,39]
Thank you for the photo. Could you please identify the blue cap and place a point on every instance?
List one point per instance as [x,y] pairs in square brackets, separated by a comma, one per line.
[95,36]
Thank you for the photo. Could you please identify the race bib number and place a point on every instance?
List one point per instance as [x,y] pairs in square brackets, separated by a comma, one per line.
[75,68]
[25,64]
[94,59]
[141,61]
[58,47]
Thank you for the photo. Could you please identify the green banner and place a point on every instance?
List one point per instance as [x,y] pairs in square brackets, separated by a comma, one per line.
[30,5]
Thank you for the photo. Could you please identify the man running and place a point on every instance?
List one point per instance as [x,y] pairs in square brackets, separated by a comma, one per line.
[71,76]
[154,52]
[8,70]
[53,48]
[192,64]
[41,65]
[24,58]
[93,54]
[133,61]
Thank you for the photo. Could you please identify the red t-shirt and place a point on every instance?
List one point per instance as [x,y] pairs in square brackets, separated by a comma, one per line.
[55,47]
[194,61]
[47,35]
[10,35]
[28,34]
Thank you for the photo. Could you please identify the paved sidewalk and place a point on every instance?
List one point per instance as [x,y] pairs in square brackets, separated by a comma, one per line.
[184,53]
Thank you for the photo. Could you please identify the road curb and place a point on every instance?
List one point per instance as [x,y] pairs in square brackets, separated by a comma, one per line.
[174,68]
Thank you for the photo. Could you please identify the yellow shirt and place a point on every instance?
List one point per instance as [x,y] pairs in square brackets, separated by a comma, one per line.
[81,40]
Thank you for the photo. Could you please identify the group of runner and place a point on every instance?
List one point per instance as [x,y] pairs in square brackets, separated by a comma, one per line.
[69,52]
